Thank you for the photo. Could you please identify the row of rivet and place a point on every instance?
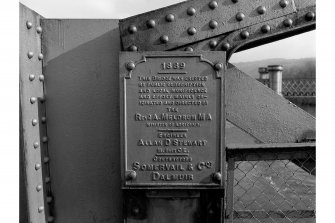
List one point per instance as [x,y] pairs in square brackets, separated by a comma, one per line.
[192,30]
[33,100]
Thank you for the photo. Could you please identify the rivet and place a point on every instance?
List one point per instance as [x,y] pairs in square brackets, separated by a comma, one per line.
[33,100]
[217,177]
[41,77]
[288,22]
[132,29]
[46,160]
[42,99]
[131,175]
[44,139]
[164,39]
[218,66]
[265,28]
[244,34]
[47,180]
[191,11]
[36,145]
[44,119]
[31,77]
[130,65]
[234,1]
[240,16]
[169,18]
[191,31]
[283,3]
[50,219]
[40,56]
[135,211]
[261,10]
[132,48]
[30,54]
[310,16]
[213,5]
[210,211]
[213,24]
[40,209]
[39,29]
[34,122]
[49,199]
[29,25]
[37,166]
[189,49]
[213,43]
[225,46]
[39,188]
[151,23]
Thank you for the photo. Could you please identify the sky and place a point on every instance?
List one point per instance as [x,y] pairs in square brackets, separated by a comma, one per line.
[300,46]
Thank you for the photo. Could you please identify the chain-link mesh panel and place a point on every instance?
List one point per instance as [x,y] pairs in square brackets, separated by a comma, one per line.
[298,87]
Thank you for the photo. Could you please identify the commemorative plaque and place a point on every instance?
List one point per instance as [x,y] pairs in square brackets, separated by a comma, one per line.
[172,119]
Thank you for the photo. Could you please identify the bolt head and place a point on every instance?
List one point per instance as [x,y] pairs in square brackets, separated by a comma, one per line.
[131,175]
[288,22]
[190,49]
[151,23]
[34,122]
[213,24]
[218,66]
[130,65]
[29,25]
[240,16]
[244,34]
[33,100]
[261,10]
[191,11]
[39,188]
[213,43]
[310,16]
[213,5]
[40,56]
[31,77]
[40,209]
[132,29]
[41,77]
[265,28]
[217,177]
[164,39]
[191,31]
[283,3]
[132,48]
[30,54]
[36,145]
[37,166]
[39,30]
[225,46]
[169,18]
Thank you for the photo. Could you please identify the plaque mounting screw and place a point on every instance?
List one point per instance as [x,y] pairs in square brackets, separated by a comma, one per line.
[189,49]
[132,48]
[132,29]
[29,25]
[131,175]
[213,5]
[265,28]
[283,3]
[218,66]
[225,46]
[130,66]
[217,177]
[310,16]
[191,31]
[213,24]
[288,22]
[151,23]
[261,10]
[169,18]
[240,16]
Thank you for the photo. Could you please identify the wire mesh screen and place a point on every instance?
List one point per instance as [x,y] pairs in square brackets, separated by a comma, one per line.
[274,190]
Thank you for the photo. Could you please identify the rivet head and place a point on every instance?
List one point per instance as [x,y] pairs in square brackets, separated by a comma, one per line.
[49,199]
[310,16]
[36,145]
[210,211]
[164,39]
[244,34]
[213,24]
[50,219]
[42,99]
[213,43]
[132,48]
[190,49]
[213,5]
[38,188]
[288,22]
[240,16]
[191,11]
[44,139]
[217,177]
[46,159]
[37,166]
[130,65]
[261,10]
[135,211]
[132,29]
[40,56]
[265,28]
[131,175]
[33,100]
[34,122]
[29,25]
[31,77]
[225,46]
[191,31]
[47,180]
[30,54]
[44,119]
[169,18]
[41,77]
[234,1]
[283,3]
[39,30]
[40,209]
[151,23]
[218,66]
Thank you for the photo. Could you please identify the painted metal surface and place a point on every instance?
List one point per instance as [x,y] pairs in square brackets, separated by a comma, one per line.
[194,21]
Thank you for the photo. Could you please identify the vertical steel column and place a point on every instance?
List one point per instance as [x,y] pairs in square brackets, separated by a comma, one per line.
[263,73]
[275,76]
[230,190]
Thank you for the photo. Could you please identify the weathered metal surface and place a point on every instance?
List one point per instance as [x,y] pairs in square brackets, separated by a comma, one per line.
[262,113]
[172,125]
[82,104]
[194,21]
[31,91]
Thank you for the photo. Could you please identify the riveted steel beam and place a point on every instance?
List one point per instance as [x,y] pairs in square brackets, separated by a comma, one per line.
[196,20]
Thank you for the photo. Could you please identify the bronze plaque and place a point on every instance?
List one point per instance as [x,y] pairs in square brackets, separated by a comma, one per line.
[172,118]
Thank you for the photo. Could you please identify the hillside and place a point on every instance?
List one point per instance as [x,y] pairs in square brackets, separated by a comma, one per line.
[293,68]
